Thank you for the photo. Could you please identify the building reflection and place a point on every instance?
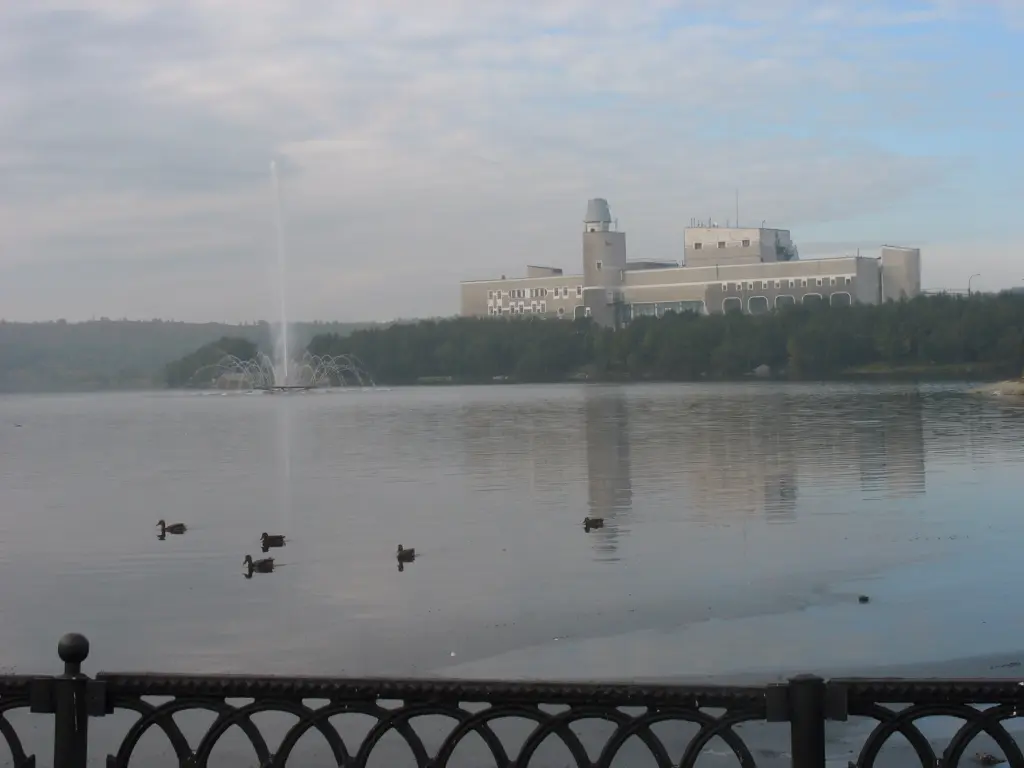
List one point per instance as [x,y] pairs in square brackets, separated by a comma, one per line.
[715,455]
[747,457]
[609,477]
[740,460]
[891,448]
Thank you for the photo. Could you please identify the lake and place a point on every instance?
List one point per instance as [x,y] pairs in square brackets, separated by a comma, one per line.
[726,505]
[742,523]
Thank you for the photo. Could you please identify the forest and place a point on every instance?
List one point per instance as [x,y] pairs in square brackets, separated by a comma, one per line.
[932,335]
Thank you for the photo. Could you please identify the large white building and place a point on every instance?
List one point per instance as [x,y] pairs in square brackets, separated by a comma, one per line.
[725,269]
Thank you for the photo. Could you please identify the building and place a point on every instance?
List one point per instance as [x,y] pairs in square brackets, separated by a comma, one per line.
[751,269]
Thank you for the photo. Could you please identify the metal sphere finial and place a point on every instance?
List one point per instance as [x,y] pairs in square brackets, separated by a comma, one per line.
[73,648]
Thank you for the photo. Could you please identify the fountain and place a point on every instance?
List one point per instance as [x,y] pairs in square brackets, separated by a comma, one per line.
[264,373]
[282,373]
[280,334]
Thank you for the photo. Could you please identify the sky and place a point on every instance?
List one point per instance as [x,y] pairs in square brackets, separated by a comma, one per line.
[420,144]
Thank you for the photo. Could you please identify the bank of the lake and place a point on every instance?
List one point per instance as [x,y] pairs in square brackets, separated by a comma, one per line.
[929,337]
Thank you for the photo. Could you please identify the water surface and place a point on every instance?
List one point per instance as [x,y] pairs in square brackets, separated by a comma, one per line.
[742,522]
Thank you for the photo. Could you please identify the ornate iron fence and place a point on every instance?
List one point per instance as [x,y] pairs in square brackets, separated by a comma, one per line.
[633,711]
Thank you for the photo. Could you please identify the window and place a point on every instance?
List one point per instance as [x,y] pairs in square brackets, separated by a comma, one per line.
[725,286]
[840,299]
[819,281]
[831,281]
[778,283]
[746,243]
[803,283]
[721,243]
[697,246]
[848,280]
[598,265]
[543,306]
[490,294]
[764,285]
[792,283]
[750,285]
[579,291]
[757,305]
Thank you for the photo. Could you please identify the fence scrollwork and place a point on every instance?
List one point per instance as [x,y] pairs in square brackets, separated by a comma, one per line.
[694,716]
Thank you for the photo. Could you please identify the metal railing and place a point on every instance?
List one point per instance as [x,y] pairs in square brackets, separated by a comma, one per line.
[552,710]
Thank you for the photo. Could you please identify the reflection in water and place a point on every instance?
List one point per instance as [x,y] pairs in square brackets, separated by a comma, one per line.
[746,457]
[891,447]
[609,485]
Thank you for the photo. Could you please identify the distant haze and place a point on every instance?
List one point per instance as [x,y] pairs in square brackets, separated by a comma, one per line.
[424,143]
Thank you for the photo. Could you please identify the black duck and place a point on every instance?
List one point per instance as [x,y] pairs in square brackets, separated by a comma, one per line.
[264,565]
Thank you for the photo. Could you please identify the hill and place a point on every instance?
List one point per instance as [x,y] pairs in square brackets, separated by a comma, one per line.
[103,354]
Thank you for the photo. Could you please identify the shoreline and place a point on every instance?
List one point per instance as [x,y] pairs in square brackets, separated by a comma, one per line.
[1005,388]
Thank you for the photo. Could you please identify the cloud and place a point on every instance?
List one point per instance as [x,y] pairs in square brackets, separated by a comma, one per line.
[423,145]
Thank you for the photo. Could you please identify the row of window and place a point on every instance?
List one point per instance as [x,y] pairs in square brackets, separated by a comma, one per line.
[535,308]
[522,309]
[660,308]
[535,293]
[752,285]
[757,305]
[722,244]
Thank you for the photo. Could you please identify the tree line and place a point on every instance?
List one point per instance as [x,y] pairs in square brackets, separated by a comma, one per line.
[980,335]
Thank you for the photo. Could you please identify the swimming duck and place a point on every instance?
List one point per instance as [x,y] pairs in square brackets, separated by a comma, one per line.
[172,528]
[265,565]
[593,522]
[406,555]
[275,540]
[987,758]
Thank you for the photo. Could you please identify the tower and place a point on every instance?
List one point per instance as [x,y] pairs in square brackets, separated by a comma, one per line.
[604,263]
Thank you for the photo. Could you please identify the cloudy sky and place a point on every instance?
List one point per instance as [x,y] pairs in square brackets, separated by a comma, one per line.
[422,143]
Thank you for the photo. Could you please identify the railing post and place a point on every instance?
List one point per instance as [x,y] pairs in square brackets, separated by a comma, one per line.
[807,721]
[71,708]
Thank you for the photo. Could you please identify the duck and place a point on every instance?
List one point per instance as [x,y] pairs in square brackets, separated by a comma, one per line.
[593,522]
[406,555]
[987,758]
[172,528]
[264,565]
[272,540]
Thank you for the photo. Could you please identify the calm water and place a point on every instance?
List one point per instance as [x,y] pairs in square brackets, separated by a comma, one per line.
[742,522]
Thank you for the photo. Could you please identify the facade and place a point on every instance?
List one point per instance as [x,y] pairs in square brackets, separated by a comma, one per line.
[726,269]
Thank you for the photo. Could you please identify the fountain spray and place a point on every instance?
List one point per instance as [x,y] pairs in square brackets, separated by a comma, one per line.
[281,342]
